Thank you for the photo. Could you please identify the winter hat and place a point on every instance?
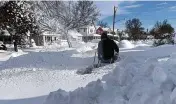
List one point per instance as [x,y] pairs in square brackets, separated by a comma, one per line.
[104,35]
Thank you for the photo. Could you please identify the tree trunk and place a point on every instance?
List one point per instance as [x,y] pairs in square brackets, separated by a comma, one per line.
[15,44]
[68,41]
[11,39]
[30,43]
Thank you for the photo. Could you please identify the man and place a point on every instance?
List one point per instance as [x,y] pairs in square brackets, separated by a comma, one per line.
[106,48]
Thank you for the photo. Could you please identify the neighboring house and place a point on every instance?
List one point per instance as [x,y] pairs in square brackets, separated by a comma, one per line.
[86,30]
[89,33]
[99,30]
[91,37]
[48,38]
[92,32]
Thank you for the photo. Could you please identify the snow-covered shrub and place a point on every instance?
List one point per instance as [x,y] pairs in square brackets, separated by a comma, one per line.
[163,41]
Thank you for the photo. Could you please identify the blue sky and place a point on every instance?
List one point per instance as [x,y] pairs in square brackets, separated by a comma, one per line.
[147,11]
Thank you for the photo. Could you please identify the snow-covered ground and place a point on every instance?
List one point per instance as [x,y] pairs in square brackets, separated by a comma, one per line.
[145,75]
[28,76]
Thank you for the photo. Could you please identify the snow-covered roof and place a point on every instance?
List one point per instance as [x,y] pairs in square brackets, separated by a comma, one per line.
[106,29]
[112,35]
[50,34]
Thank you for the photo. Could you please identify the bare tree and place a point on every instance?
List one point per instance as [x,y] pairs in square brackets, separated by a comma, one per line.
[134,28]
[67,15]
[103,24]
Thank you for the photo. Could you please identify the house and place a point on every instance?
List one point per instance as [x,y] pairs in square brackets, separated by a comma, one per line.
[89,33]
[86,30]
[99,30]
[92,32]
[49,38]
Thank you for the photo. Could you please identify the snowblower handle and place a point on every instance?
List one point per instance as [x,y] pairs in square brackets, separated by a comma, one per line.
[94,57]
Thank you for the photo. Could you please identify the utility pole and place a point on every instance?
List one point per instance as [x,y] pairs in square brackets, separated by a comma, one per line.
[115,8]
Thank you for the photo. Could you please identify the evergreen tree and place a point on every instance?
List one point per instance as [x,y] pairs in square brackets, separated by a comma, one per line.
[18,19]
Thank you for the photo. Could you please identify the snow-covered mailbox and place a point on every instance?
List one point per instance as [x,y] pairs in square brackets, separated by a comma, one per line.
[49,38]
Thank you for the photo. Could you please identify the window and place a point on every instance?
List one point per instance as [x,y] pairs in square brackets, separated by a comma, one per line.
[84,29]
[45,38]
[91,30]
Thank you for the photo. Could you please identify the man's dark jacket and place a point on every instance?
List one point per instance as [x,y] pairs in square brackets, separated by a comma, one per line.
[106,48]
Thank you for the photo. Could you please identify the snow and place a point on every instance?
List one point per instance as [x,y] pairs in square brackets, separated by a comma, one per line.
[5,33]
[125,44]
[87,47]
[97,35]
[74,34]
[19,53]
[33,44]
[50,34]
[112,35]
[47,75]
[43,70]
[137,79]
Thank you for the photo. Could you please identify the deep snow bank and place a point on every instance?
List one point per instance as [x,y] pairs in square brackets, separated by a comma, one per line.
[125,44]
[135,80]
[87,47]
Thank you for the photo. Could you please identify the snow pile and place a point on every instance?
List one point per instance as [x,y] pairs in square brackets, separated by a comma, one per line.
[134,81]
[57,46]
[141,43]
[19,53]
[87,47]
[84,49]
[33,44]
[125,44]
[74,34]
